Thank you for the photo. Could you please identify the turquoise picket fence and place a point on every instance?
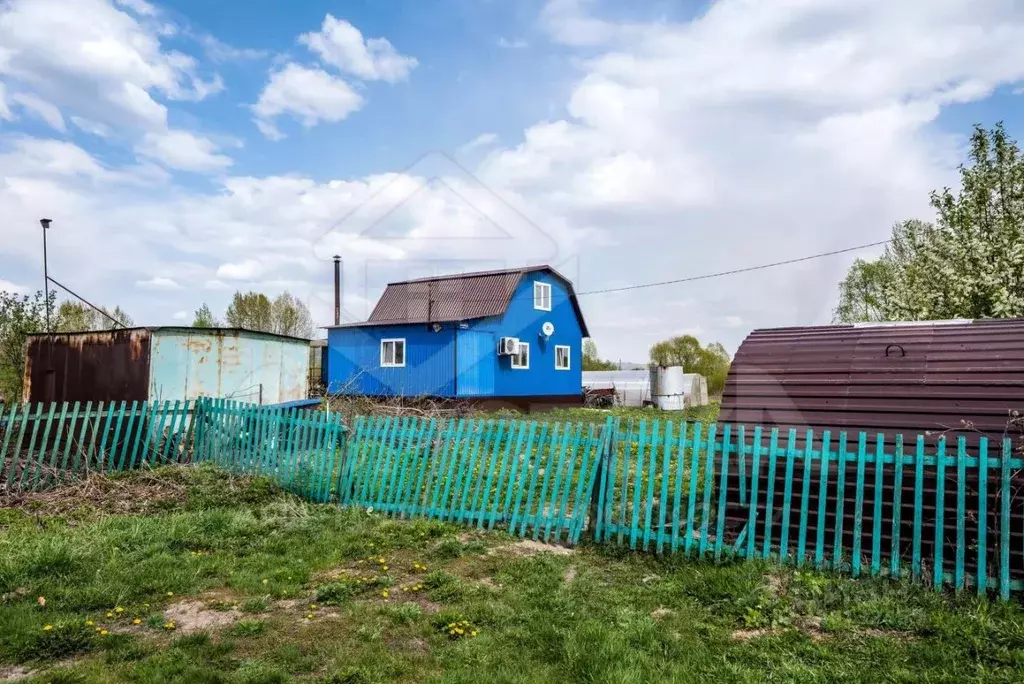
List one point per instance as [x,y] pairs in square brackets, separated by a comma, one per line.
[296,448]
[531,478]
[42,445]
[942,511]
[933,513]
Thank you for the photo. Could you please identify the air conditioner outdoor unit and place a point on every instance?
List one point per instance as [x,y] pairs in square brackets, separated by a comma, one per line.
[508,346]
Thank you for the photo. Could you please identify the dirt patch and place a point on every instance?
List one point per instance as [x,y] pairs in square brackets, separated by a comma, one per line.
[289,604]
[426,604]
[569,575]
[13,673]
[776,584]
[194,616]
[748,634]
[812,628]
[661,612]
[488,582]
[136,495]
[529,547]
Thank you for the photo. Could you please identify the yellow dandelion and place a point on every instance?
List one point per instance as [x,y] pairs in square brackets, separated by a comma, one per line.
[265,581]
[109,614]
[473,633]
[309,617]
[169,625]
[119,609]
[384,568]
[99,629]
[104,632]
[88,623]
[170,593]
[145,605]
[459,630]
[384,593]
[313,607]
[136,621]
[48,628]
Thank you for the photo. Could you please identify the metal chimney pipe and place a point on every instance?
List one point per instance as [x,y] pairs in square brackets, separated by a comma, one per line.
[337,290]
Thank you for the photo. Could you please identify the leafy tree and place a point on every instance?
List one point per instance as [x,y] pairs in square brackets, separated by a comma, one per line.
[969,263]
[76,316]
[592,361]
[20,315]
[251,310]
[285,315]
[862,294]
[711,361]
[291,317]
[204,318]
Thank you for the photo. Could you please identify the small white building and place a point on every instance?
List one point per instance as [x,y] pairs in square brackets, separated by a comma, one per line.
[634,387]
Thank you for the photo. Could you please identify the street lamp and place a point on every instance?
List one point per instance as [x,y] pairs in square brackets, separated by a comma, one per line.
[45,223]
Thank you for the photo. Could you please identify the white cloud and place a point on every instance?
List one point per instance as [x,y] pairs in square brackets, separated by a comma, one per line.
[183,150]
[91,127]
[341,45]
[219,51]
[245,270]
[8,286]
[482,140]
[729,321]
[5,109]
[41,109]
[513,44]
[140,7]
[309,95]
[158,283]
[96,60]
[181,315]
[33,157]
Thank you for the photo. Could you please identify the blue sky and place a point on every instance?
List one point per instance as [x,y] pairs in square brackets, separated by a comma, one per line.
[187,149]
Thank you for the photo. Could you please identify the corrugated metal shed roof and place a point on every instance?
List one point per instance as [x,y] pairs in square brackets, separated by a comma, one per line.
[912,378]
[452,298]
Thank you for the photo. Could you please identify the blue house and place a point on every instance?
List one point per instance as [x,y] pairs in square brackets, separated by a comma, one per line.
[513,335]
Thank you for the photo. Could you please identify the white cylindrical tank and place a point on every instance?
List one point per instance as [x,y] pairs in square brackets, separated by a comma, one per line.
[668,388]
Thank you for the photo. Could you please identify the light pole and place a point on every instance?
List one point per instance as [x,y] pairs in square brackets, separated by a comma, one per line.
[45,223]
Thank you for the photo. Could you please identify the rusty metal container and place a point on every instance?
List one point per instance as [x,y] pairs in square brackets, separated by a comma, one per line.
[166,363]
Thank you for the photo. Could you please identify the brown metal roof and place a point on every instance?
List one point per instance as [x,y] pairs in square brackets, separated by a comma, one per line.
[891,378]
[452,298]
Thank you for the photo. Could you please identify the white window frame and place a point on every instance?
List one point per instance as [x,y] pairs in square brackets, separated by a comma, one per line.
[383,345]
[516,364]
[539,297]
[568,356]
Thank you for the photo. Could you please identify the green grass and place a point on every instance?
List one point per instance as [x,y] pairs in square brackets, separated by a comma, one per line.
[705,414]
[596,615]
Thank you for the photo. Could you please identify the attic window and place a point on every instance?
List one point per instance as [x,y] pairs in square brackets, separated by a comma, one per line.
[542,296]
[392,353]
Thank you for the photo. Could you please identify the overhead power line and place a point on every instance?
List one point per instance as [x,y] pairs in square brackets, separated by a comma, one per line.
[734,271]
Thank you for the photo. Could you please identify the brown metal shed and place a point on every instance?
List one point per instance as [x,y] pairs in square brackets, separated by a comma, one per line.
[909,378]
[947,378]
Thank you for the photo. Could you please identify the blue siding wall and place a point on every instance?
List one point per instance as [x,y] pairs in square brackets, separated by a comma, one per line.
[353,361]
[477,363]
[523,321]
